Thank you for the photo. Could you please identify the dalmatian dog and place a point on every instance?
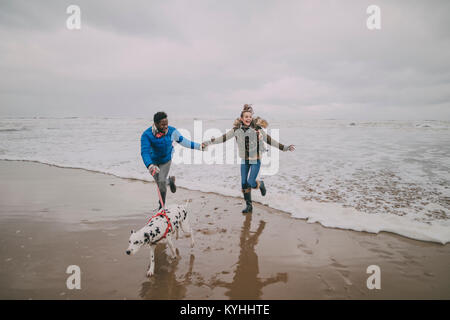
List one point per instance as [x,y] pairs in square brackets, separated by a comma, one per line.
[162,226]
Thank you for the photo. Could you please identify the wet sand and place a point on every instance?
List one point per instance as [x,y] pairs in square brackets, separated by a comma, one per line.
[54,217]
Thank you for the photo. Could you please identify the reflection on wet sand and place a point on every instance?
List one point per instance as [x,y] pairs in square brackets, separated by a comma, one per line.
[246,284]
[165,285]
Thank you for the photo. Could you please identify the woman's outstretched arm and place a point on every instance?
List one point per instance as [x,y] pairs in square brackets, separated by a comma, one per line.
[226,136]
[274,143]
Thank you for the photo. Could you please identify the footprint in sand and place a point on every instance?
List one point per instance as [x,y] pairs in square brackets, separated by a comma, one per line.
[384,252]
[337,264]
[344,275]
[342,271]
[207,231]
[327,285]
[304,248]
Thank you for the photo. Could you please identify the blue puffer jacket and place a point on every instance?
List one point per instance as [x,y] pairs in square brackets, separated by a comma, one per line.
[159,150]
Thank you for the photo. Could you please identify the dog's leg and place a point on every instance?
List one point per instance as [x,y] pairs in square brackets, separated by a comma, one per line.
[151,269]
[186,227]
[172,248]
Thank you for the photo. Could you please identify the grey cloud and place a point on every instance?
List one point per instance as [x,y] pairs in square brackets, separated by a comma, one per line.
[306,58]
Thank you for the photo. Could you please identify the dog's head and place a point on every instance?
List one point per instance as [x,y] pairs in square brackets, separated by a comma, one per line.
[136,241]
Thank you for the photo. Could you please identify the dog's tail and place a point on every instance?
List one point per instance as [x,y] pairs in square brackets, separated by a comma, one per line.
[187,203]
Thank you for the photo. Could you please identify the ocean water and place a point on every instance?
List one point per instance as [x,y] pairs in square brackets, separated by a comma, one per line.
[366,176]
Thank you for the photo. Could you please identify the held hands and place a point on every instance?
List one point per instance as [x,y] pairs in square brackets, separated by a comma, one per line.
[153,169]
[205,144]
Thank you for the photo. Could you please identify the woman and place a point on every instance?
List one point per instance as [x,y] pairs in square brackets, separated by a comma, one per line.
[249,137]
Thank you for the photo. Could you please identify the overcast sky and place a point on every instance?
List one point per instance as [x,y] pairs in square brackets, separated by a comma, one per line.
[296,59]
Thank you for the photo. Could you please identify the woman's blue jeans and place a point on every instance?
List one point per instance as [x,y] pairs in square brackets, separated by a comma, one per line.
[249,172]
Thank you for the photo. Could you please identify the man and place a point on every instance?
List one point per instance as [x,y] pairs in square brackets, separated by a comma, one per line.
[157,150]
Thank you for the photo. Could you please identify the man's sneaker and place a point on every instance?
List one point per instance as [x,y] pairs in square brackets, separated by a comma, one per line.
[173,187]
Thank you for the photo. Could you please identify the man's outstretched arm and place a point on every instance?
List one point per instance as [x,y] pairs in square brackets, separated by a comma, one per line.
[176,136]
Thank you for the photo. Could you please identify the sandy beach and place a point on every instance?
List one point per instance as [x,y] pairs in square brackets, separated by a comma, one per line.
[54,217]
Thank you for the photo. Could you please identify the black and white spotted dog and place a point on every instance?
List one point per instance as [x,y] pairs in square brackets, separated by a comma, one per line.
[160,227]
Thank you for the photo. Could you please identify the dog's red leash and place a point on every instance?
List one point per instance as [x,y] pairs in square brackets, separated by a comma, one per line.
[162,213]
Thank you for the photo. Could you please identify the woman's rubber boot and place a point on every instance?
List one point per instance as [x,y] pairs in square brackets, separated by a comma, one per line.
[248,200]
[262,187]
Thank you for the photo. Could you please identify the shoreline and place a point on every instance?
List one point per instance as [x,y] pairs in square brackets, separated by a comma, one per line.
[54,217]
[280,211]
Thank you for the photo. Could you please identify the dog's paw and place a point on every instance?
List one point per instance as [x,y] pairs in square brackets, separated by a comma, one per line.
[149,273]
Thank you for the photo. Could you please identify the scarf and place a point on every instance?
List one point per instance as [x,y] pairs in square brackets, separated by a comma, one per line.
[157,133]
